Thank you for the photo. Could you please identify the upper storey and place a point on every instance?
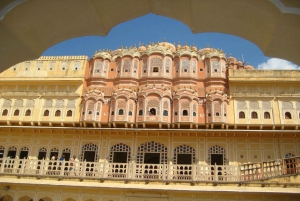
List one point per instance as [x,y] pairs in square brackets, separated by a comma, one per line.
[48,67]
[162,60]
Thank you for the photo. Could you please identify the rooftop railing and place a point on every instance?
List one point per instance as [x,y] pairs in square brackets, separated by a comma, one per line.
[146,172]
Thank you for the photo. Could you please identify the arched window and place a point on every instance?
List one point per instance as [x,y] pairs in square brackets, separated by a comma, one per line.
[46,113]
[217,114]
[241,115]
[184,113]
[209,114]
[194,114]
[57,113]
[152,111]
[90,112]
[140,112]
[4,112]
[112,112]
[121,112]
[254,115]
[165,113]
[130,113]
[288,115]
[28,113]
[69,113]
[16,112]
[155,69]
[267,115]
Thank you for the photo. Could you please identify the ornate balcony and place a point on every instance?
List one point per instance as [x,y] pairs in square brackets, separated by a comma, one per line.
[145,172]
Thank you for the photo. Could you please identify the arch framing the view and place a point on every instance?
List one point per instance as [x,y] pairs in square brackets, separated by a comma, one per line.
[278,25]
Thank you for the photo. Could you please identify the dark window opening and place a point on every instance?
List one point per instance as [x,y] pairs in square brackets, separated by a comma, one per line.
[184,113]
[201,69]
[267,115]
[112,113]
[216,159]
[165,113]
[120,157]
[5,112]
[185,159]
[23,154]
[194,114]
[89,156]
[16,112]
[69,113]
[140,112]
[12,153]
[175,113]
[155,69]
[254,115]
[46,113]
[152,158]
[28,113]
[90,112]
[152,111]
[121,112]
[57,113]
[241,115]
[185,70]
[111,69]
[167,71]
[98,113]
[130,113]
[288,115]
[217,114]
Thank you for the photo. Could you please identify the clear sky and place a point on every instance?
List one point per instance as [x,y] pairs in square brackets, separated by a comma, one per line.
[154,28]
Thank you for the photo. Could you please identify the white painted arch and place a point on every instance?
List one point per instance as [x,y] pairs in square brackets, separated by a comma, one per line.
[28,28]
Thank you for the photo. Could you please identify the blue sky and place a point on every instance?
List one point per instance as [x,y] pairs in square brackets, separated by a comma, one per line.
[154,28]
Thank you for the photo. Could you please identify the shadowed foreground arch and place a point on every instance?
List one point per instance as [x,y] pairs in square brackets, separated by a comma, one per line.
[272,26]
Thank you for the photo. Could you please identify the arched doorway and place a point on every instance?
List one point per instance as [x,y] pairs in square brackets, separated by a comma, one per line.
[184,157]
[89,153]
[149,156]
[12,152]
[6,198]
[119,156]
[24,153]
[42,153]
[152,153]
[216,155]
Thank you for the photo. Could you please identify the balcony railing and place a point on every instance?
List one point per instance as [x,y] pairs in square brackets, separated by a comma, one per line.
[146,172]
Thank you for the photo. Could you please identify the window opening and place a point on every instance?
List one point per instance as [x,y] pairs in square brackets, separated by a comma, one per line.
[28,113]
[46,113]
[57,113]
[152,112]
[267,115]
[288,115]
[242,115]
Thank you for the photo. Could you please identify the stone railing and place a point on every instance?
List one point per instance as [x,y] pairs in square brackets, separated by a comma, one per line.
[147,172]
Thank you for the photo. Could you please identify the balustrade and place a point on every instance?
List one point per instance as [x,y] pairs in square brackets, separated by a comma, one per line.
[145,172]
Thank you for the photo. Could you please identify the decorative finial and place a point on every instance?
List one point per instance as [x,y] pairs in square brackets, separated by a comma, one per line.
[164,39]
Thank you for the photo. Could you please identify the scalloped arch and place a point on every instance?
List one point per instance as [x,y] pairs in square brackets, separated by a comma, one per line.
[278,26]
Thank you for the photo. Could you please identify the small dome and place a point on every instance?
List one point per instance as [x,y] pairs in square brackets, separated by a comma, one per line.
[249,67]
[231,59]
[142,48]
